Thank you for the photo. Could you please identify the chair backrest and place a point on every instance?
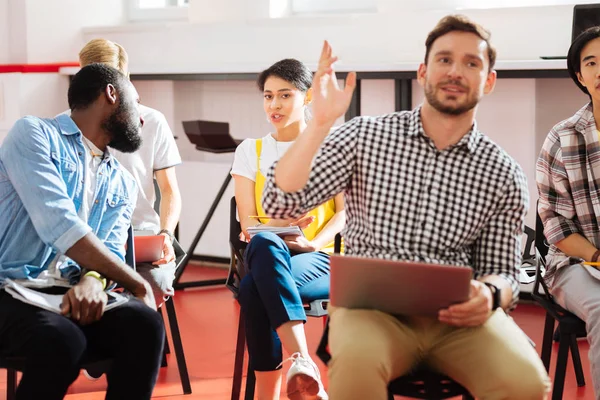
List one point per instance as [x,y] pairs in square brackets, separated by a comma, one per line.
[236,268]
[541,244]
[544,298]
[130,249]
[235,229]
[529,250]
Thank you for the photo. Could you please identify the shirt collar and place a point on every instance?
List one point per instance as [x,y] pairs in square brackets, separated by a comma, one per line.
[468,141]
[583,119]
[68,128]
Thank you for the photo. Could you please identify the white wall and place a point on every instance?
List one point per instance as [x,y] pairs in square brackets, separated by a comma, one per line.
[54,27]
[394,34]
[4,29]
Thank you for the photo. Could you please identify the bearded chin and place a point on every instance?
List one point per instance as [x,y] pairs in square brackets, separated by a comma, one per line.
[125,135]
[448,109]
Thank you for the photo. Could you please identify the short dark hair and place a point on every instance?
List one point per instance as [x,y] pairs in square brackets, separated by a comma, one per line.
[290,70]
[460,23]
[574,55]
[90,82]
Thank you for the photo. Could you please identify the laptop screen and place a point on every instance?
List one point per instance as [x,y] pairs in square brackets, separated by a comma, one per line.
[584,16]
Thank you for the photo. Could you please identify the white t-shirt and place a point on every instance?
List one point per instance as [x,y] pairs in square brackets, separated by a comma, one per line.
[158,151]
[244,163]
[91,172]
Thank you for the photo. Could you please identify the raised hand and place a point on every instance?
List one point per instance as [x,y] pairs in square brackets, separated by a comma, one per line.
[329,101]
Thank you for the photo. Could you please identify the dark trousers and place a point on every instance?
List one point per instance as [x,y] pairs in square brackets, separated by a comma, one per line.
[273,291]
[54,347]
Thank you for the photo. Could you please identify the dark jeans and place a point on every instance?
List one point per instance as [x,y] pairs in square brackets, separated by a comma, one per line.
[273,291]
[53,347]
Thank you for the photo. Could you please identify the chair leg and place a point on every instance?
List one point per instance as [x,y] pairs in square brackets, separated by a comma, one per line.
[167,347]
[547,341]
[250,383]
[577,361]
[561,366]
[11,384]
[238,365]
[178,347]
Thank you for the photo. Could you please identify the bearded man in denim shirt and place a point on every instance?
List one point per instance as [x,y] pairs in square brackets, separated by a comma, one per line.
[66,206]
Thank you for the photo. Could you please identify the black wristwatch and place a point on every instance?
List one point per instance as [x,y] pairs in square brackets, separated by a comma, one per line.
[496,295]
[169,234]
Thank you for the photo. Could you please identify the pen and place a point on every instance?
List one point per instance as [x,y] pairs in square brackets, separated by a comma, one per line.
[592,264]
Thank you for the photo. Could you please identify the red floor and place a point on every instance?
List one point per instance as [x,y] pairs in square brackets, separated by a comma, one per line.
[208,322]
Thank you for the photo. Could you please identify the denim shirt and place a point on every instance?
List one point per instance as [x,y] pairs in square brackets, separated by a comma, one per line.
[42,168]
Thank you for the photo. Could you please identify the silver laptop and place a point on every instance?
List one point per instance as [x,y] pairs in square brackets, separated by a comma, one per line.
[397,287]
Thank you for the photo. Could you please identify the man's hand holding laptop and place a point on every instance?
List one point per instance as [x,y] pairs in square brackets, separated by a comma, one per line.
[480,306]
[473,312]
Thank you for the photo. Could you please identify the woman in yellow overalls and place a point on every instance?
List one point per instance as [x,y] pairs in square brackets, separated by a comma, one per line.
[283,273]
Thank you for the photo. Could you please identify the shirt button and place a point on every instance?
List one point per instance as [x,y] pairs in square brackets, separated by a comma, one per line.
[96,202]
[100,173]
[80,153]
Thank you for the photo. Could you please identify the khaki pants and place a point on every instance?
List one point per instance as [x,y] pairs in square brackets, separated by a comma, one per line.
[371,348]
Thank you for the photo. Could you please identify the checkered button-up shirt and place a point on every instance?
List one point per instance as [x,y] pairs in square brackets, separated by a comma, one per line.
[406,200]
[568,181]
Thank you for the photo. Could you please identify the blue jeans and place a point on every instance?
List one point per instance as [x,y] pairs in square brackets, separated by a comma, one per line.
[276,285]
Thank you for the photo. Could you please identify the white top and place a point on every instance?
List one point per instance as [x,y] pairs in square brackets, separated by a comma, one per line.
[158,151]
[89,182]
[244,163]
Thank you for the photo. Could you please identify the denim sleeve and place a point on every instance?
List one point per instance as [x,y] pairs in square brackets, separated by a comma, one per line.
[26,155]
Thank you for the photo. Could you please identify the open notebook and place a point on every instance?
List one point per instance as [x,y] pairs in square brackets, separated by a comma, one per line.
[51,302]
[278,230]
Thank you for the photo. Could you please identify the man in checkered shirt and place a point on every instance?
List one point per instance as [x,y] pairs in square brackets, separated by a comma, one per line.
[567,180]
[422,185]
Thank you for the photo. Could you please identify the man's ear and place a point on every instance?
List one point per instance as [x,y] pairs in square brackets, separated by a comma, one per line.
[580,79]
[490,82]
[421,72]
[111,94]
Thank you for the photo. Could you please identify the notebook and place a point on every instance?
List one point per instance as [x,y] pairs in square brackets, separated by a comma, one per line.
[52,302]
[281,231]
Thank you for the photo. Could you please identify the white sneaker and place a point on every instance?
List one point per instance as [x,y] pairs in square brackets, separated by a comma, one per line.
[304,380]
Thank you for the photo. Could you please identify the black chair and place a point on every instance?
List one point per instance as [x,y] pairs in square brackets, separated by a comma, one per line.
[172,314]
[176,335]
[317,308]
[569,325]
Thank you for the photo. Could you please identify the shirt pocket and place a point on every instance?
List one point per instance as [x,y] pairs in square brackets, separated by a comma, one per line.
[67,169]
[117,211]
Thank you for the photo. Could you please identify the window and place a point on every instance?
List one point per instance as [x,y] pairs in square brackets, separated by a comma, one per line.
[332,6]
[471,4]
[157,10]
